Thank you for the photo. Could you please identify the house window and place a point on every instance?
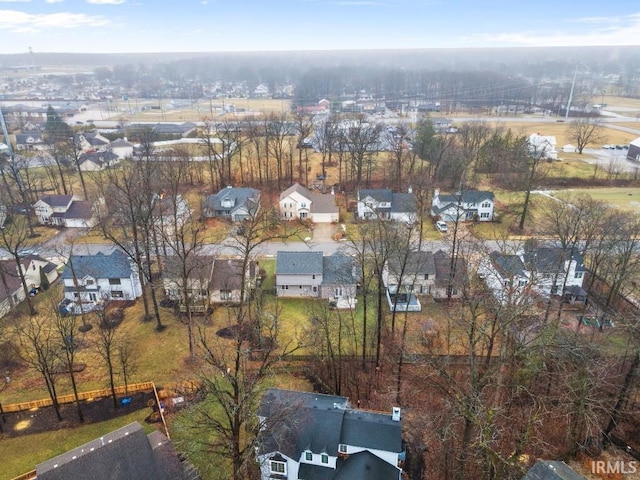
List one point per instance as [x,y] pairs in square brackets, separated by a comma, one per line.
[114,281]
[522,283]
[75,294]
[92,297]
[303,205]
[315,289]
[578,275]
[342,448]
[313,277]
[117,294]
[337,292]
[88,281]
[324,458]
[225,295]
[308,456]
[426,276]
[484,215]
[486,205]
[278,467]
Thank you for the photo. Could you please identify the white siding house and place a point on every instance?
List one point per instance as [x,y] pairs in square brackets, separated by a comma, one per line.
[469,205]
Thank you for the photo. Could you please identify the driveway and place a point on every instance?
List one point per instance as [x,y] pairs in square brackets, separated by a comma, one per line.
[323,232]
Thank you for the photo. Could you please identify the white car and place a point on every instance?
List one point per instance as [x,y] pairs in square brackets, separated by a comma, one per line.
[441,226]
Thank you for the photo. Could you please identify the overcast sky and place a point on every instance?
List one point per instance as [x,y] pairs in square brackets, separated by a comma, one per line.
[258,25]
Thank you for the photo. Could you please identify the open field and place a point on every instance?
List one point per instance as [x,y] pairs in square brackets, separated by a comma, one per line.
[627,199]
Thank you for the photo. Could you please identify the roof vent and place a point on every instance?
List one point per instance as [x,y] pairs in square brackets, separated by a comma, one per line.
[395,414]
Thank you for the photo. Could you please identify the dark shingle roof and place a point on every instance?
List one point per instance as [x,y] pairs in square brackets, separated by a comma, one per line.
[299,263]
[79,209]
[468,196]
[338,270]
[301,421]
[371,430]
[57,200]
[115,265]
[508,265]
[240,197]
[403,203]
[99,158]
[124,454]
[414,263]
[379,195]
[363,465]
[442,261]
[548,470]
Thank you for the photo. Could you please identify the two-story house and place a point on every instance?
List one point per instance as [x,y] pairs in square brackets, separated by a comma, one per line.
[236,204]
[468,205]
[35,271]
[387,205]
[97,161]
[507,277]
[543,146]
[209,280]
[92,279]
[310,274]
[297,202]
[65,211]
[309,435]
[551,268]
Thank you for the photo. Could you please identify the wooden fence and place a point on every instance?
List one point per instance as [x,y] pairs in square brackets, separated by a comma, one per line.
[63,399]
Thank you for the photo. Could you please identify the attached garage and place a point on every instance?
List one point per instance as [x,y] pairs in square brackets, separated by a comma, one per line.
[633,153]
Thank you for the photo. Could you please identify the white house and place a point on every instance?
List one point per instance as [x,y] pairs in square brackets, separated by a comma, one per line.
[92,279]
[310,435]
[297,202]
[543,145]
[11,288]
[122,148]
[468,205]
[534,272]
[386,205]
[66,211]
[97,161]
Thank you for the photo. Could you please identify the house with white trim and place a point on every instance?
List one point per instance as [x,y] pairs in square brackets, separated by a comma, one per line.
[297,202]
[309,435]
[384,204]
[66,211]
[468,205]
[543,145]
[92,279]
[234,203]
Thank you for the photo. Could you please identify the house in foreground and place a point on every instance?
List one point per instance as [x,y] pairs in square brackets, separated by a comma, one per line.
[33,268]
[92,279]
[124,454]
[312,436]
[310,274]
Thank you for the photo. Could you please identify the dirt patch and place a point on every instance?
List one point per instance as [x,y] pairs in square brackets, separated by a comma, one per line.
[44,419]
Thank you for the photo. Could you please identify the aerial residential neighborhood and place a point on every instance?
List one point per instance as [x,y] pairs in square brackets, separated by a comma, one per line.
[399,263]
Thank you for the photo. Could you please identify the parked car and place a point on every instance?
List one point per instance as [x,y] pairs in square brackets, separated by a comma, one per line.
[441,226]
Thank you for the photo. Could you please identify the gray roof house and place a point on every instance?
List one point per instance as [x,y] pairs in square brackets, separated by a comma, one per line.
[307,435]
[467,205]
[310,274]
[405,275]
[633,153]
[91,279]
[386,205]
[446,284]
[234,203]
[124,454]
[96,161]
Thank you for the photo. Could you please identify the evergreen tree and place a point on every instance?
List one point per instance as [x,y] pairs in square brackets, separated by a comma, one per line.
[44,281]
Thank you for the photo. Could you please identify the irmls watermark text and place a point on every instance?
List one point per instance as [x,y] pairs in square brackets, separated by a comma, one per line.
[614,466]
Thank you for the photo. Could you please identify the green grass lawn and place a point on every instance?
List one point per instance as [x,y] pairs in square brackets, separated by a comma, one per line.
[624,198]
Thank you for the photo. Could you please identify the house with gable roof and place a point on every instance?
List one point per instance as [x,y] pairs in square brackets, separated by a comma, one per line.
[633,153]
[310,274]
[297,202]
[463,206]
[91,142]
[127,453]
[122,148]
[387,205]
[534,271]
[307,435]
[92,279]
[97,161]
[234,203]
[65,211]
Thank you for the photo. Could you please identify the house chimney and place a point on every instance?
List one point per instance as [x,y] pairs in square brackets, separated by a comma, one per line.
[409,190]
[436,193]
[333,191]
[395,414]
